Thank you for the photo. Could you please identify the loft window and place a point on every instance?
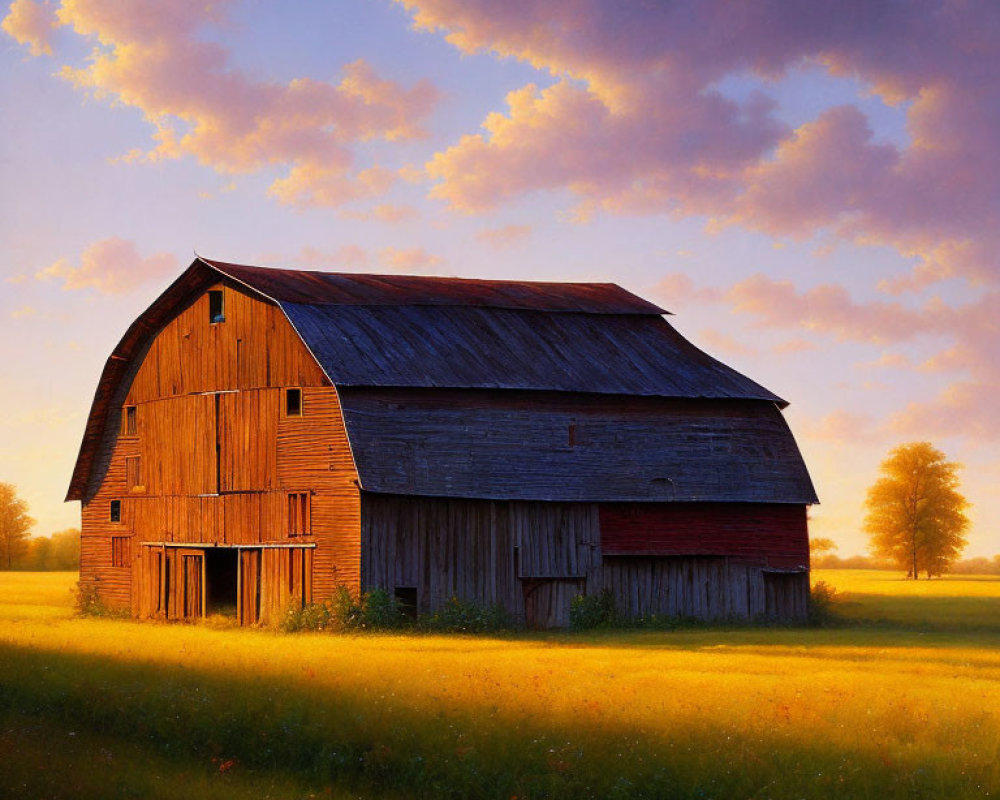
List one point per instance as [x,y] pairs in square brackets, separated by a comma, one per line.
[120,550]
[298,514]
[216,306]
[130,422]
[115,514]
[133,473]
[293,402]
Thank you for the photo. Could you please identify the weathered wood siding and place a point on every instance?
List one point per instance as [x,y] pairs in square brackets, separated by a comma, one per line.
[765,534]
[218,456]
[533,558]
[704,588]
[481,551]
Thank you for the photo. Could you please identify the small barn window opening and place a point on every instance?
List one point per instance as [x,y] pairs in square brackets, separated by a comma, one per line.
[115,514]
[299,521]
[133,473]
[406,601]
[571,435]
[293,402]
[130,422]
[216,307]
[120,551]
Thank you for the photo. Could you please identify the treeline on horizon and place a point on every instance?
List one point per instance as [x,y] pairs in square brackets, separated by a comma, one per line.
[980,565]
[59,552]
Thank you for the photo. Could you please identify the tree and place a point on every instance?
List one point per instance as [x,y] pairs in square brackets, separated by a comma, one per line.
[916,515]
[14,526]
[819,545]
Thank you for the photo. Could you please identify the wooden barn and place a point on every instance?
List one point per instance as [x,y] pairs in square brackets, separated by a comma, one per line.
[261,436]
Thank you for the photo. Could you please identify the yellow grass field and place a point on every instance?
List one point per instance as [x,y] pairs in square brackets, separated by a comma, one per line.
[906,705]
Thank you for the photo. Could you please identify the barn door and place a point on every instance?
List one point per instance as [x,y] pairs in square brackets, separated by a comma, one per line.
[151,583]
[192,575]
[249,589]
[547,600]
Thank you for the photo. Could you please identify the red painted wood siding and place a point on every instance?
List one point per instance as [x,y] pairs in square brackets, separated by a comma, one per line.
[768,534]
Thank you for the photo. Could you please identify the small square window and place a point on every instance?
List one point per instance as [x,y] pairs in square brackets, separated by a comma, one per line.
[216,307]
[130,421]
[293,402]
[116,511]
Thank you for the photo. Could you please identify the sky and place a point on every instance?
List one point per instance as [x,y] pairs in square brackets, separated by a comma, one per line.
[812,189]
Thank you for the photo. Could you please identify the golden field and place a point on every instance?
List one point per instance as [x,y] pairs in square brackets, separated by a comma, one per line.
[902,700]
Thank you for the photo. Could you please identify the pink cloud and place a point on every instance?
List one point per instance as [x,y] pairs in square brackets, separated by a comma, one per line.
[718,342]
[505,237]
[32,24]
[111,266]
[414,260]
[677,288]
[634,124]
[840,426]
[154,57]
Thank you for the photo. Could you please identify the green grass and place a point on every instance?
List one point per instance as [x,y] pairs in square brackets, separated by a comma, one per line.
[872,711]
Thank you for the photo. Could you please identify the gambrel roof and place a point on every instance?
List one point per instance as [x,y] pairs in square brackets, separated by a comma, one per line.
[415,360]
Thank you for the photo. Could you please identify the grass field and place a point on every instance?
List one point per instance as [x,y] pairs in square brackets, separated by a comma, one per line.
[903,700]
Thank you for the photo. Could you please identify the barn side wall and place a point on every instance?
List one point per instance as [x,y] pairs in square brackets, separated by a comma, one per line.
[218,456]
[534,557]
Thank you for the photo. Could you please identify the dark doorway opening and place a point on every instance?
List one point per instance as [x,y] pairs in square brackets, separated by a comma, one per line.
[221,567]
[406,601]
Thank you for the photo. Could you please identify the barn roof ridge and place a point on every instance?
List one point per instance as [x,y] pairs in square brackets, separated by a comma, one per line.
[317,287]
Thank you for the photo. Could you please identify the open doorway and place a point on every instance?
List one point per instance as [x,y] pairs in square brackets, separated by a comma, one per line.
[221,583]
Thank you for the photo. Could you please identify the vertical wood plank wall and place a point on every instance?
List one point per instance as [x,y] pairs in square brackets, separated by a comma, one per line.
[533,557]
[199,386]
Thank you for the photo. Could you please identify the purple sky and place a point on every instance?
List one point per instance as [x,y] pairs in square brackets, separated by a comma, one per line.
[811,188]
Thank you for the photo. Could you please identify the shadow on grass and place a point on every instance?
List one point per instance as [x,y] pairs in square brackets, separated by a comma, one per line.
[352,740]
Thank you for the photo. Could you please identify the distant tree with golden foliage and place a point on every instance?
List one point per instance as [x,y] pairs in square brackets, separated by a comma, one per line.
[15,524]
[916,515]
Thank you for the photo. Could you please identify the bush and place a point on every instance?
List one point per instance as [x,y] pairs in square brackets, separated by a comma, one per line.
[459,616]
[88,603]
[590,611]
[376,610]
[822,599]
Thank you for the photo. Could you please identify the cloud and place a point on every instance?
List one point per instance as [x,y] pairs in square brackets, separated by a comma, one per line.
[111,266]
[719,342]
[677,288]
[32,24]
[384,212]
[794,346]
[505,237]
[412,261]
[841,426]
[24,311]
[633,121]
[156,58]
[349,256]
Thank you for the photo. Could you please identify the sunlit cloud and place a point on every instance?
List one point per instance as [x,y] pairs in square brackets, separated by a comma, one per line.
[505,237]
[32,24]
[110,266]
[841,427]
[633,121]
[722,343]
[23,311]
[154,57]
[384,212]
[414,260]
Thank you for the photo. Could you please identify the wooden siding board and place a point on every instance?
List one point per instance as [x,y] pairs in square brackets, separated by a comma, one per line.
[513,446]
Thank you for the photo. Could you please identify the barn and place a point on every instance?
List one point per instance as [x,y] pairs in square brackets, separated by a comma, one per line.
[260,437]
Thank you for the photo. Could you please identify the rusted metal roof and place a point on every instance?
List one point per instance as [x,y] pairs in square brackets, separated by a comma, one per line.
[571,448]
[492,348]
[331,288]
